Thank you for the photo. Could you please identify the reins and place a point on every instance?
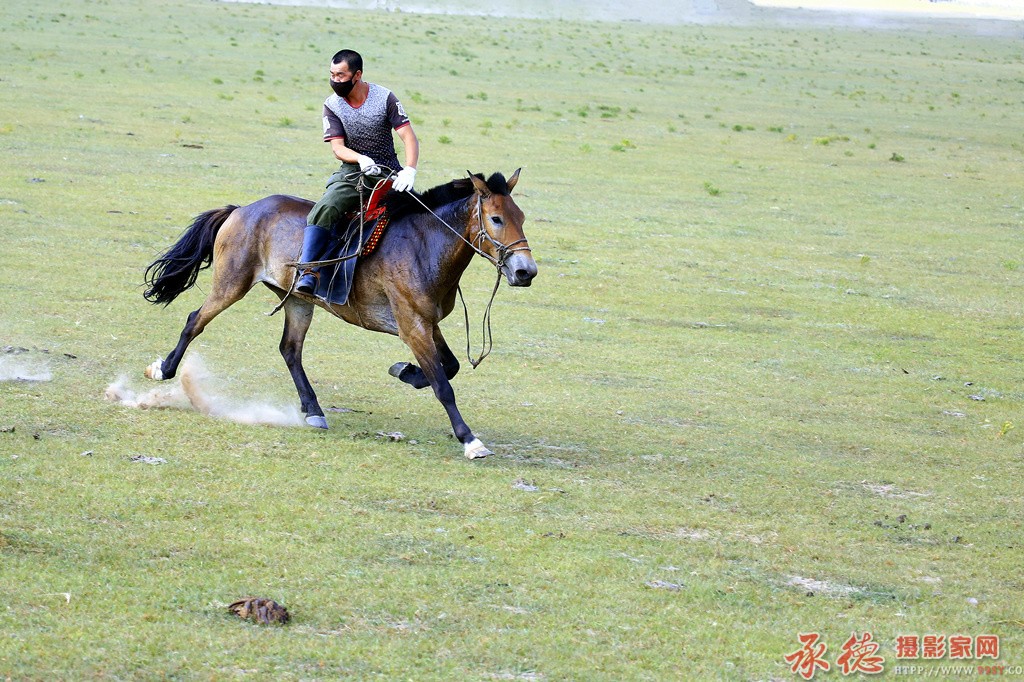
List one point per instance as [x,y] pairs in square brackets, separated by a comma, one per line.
[502,250]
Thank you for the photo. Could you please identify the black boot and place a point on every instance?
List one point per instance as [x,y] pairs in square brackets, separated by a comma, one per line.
[314,241]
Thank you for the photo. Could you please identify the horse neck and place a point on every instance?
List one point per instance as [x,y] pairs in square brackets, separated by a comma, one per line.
[455,252]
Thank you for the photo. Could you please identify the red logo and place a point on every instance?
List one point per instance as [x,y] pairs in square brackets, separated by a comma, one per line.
[808,658]
[908,646]
[859,656]
[986,646]
[933,646]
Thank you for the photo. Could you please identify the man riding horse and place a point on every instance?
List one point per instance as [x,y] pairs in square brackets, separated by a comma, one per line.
[404,287]
[358,120]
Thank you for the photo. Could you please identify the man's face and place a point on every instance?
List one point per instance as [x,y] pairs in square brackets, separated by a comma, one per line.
[343,80]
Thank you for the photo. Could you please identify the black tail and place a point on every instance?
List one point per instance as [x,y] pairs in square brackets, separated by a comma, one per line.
[176,270]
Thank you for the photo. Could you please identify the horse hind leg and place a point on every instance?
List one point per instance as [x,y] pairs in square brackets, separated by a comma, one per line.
[298,316]
[225,291]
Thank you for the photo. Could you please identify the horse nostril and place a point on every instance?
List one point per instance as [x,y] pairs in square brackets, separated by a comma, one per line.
[525,274]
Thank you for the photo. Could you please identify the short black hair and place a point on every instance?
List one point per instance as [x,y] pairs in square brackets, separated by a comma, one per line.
[350,57]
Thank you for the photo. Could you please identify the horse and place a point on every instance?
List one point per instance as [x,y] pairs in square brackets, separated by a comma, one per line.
[405,287]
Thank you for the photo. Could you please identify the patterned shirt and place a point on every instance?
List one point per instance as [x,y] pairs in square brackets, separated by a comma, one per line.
[367,129]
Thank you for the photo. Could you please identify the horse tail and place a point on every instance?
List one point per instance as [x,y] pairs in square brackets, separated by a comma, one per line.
[177,268]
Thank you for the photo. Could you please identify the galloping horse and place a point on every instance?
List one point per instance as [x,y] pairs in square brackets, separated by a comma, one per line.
[405,287]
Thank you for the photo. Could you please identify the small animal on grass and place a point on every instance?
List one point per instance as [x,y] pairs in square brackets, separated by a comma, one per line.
[259,610]
[405,287]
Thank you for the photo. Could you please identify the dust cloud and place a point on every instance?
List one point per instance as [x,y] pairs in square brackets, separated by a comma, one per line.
[193,390]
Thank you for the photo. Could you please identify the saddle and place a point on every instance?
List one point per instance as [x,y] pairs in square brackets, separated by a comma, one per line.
[335,281]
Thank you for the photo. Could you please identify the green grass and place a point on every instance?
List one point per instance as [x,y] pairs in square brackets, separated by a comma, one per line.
[752,347]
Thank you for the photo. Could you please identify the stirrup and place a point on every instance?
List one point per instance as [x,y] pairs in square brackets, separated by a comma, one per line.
[315,274]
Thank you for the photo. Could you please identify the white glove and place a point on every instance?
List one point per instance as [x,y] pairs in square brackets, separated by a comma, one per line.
[368,165]
[404,180]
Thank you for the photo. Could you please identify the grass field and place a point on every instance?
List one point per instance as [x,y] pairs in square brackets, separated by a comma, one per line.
[766,382]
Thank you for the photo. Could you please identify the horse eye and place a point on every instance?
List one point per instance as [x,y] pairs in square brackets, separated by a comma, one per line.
[496,219]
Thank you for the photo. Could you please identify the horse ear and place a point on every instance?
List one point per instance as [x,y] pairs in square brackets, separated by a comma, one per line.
[481,187]
[513,180]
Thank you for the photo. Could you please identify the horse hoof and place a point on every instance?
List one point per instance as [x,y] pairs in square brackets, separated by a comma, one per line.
[155,371]
[317,421]
[397,369]
[477,450]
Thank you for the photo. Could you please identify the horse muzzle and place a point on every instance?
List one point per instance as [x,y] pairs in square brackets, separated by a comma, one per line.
[520,269]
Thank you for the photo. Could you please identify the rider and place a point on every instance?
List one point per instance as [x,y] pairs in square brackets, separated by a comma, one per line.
[358,120]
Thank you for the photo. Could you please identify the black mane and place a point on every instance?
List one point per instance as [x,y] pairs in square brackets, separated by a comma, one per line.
[400,204]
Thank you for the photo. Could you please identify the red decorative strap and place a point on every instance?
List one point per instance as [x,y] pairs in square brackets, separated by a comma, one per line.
[382,222]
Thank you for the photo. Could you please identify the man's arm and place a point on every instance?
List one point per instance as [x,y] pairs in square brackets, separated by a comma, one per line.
[412,145]
[342,152]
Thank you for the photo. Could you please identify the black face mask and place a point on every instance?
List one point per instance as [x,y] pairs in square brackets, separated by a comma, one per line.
[342,89]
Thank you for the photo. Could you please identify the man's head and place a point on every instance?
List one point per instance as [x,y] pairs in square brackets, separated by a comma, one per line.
[346,70]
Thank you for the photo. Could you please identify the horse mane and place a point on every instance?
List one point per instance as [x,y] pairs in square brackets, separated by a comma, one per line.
[401,204]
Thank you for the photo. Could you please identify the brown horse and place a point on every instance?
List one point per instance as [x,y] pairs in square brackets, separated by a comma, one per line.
[405,287]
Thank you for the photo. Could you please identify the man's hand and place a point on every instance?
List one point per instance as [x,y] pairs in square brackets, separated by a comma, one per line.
[368,165]
[405,179]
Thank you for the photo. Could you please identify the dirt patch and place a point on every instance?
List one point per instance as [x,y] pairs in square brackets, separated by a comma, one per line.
[891,491]
[15,368]
[821,587]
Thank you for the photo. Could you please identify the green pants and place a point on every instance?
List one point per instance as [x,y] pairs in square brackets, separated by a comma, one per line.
[341,197]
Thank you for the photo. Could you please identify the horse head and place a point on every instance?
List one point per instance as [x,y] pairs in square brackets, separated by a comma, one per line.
[499,228]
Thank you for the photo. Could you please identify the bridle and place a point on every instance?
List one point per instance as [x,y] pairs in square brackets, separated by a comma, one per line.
[503,250]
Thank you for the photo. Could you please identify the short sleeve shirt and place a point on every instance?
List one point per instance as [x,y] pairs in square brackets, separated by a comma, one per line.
[367,129]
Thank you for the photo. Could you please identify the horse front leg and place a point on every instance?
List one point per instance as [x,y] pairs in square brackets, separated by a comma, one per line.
[421,341]
[413,375]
